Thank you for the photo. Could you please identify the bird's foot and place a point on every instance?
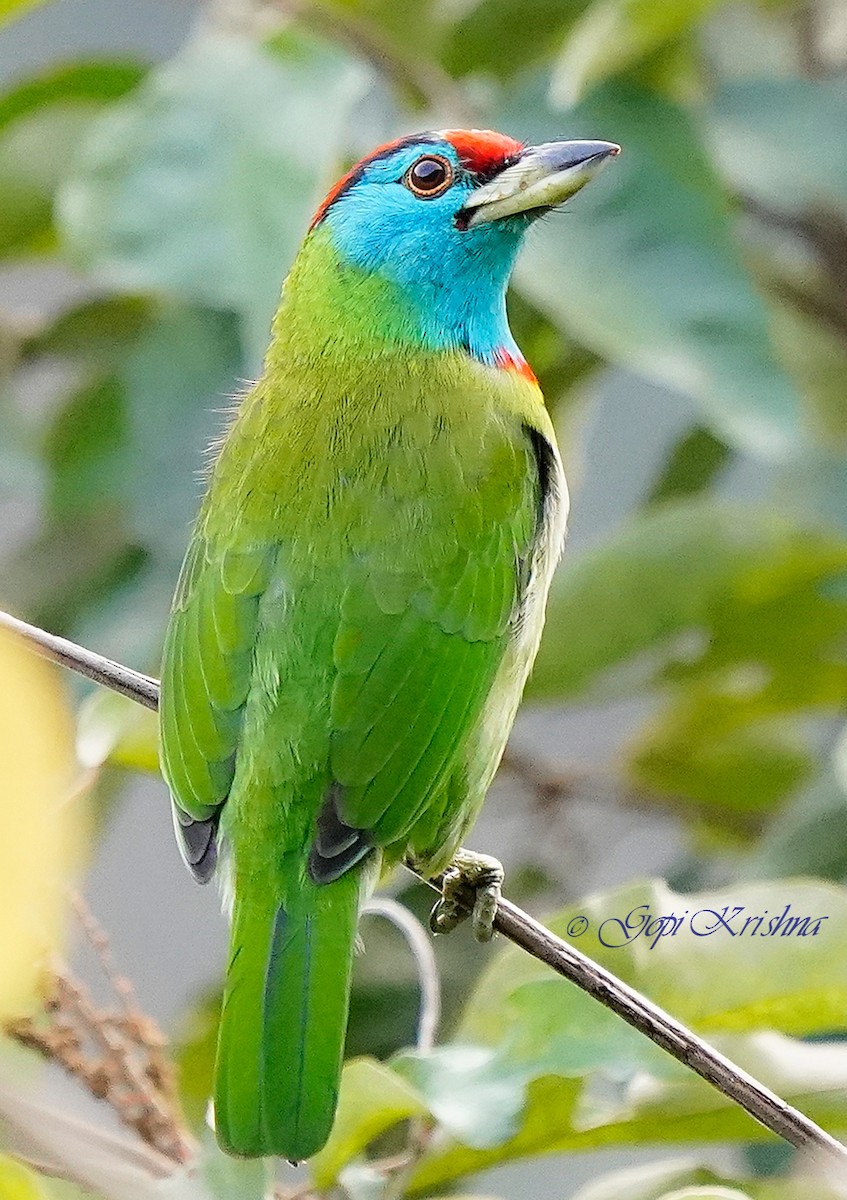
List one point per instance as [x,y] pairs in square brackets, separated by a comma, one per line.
[470,887]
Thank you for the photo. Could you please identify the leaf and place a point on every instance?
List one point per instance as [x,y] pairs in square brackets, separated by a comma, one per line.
[778,140]
[41,123]
[195,1050]
[692,465]
[98,332]
[816,357]
[571,1074]
[486,34]
[721,756]
[158,200]
[708,1193]
[10,10]
[84,448]
[113,729]
[468,1091]
[372,1099]
[229,1178]
[809,835]
[733,619]
[178,378]
[650,1181]
[612,35]
[41,828]
[124,453]
[18,1183]
[629,252]
[554,1121]
[701,969]
[695,586]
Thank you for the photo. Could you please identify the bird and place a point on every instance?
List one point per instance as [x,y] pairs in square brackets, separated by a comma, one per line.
[362,598]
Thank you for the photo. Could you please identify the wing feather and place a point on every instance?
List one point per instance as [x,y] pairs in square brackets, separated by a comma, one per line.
[206,671]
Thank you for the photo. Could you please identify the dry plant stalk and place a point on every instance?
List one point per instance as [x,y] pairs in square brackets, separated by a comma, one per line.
[118,1053]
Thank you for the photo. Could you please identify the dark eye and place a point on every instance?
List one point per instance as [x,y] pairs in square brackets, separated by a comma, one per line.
[429,176]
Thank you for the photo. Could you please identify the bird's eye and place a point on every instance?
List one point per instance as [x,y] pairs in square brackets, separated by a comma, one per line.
[429,176]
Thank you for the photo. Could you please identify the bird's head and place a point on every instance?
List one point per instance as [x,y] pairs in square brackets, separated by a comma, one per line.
[442,216]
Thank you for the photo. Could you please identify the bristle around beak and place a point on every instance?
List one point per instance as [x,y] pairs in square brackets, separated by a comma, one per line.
[542,178]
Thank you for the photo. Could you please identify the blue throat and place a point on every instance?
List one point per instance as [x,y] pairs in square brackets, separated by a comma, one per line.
[453,283]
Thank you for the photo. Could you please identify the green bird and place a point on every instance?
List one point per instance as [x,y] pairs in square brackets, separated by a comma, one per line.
[362,598]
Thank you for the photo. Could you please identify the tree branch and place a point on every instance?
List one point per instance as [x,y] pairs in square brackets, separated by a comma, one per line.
[763,1105]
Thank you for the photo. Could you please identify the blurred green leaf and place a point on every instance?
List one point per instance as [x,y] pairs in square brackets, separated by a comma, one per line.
[709,1192]
[180,379]
[160,198]
[692,465]
[779,141]
[706,975]
[612,35]
[195,1049]
[227,1178]
[473,1095]
[816,357]
[618,271]
[84,448]
[698,586]
[372,1098]
[113,729]
[118,451]
[556,1120]
[542,1062]
[10,10]
[42,122]
[650,1181]
[97,332]
[727,612]
[503,38]
[808,837]
[713,759]
[682,1180]
[70,566]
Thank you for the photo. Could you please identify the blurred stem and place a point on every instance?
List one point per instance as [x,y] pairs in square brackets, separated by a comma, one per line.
[759,1102]
[422,83]
[825,233]
[807,27]
[421,948]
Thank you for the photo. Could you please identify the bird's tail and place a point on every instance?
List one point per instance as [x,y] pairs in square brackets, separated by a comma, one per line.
[284,1018]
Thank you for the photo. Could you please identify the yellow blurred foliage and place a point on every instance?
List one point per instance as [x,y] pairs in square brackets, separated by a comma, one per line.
[40,822]
[18,1183]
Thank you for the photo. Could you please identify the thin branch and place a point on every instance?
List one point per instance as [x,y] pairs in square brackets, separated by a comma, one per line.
[763,1105]
[760,1102]
[124,680]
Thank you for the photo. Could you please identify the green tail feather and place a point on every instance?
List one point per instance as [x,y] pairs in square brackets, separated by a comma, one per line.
[284,1019]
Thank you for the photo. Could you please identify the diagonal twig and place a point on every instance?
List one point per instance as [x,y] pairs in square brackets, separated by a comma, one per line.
[760,1102]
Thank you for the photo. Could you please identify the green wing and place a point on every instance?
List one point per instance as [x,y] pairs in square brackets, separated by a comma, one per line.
[417,652]
[206,673]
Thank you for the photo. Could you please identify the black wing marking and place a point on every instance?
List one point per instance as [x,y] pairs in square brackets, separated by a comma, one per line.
[337,845]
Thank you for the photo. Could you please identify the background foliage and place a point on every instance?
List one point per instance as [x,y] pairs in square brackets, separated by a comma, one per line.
[154,208]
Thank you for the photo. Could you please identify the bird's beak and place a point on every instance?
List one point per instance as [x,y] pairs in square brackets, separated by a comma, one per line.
[542,178]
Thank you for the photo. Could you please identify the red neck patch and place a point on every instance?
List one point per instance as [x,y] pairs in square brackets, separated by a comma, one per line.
[507,361]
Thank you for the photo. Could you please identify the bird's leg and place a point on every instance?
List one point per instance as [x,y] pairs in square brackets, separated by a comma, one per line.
[470,885]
